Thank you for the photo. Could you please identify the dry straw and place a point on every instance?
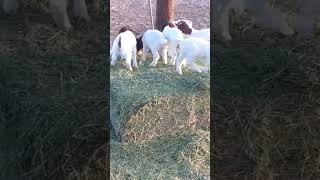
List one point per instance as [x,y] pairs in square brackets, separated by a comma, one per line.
[53,102]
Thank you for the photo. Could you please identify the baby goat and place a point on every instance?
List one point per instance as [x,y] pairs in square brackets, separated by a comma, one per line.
[139,40]
[124,46]
[155,41]
[191,49]
[189,23]
[191,32]
[125,28]
[174,36]
[262,12]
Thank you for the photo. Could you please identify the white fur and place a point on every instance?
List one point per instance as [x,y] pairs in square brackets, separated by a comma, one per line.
[154,41]
[202,33]
[190,50]
[127,50]
[174,36]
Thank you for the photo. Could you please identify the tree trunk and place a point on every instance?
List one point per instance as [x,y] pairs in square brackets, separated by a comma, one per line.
[164,13]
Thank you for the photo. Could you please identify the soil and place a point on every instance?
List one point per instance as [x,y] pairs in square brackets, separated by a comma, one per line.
[137,14]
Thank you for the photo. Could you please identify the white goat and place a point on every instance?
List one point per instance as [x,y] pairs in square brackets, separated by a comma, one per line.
[174,36]
[155,41]
[189,31]
[190,50]
[124,46]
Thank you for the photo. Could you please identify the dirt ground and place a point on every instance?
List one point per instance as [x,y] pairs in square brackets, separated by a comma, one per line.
[137,14]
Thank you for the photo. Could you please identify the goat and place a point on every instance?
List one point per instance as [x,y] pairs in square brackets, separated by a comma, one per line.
[155,41]
[139,40]
[188,22]
[306,21]
[58,10]
[10,7]
[139,45]
[263,13]
[174,36]
[191,32]
[125,28]
[124,46]
[190,49]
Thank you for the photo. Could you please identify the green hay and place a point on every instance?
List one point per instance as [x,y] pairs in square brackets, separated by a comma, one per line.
[131,90]
[184,156]
[163,119]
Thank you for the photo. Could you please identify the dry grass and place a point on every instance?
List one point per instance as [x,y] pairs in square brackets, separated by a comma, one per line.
[53,108]
[152,89]
[168,115]
[183,156]
[266,107]
[163,120]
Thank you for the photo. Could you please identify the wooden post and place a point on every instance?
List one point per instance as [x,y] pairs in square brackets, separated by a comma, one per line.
[164,13]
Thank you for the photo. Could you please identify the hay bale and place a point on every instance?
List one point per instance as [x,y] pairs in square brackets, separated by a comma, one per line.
[183,156]
[168,116]
[157,96]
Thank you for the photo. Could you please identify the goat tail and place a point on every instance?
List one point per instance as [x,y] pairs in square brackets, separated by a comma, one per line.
[119,42]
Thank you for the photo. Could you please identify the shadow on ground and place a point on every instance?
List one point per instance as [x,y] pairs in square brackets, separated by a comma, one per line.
[53,98]
[266,108]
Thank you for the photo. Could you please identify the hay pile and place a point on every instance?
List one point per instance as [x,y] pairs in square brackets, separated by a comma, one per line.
[183,156]
[266,107]
[168,115]
[53,109]
[95,7]
[163,120]
[148,93]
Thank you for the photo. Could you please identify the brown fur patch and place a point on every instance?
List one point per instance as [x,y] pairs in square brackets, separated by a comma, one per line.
[125,28]
[139,44]
[183,26]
